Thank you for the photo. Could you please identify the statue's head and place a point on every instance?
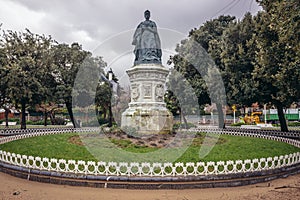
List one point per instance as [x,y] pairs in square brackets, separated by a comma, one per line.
[147,14]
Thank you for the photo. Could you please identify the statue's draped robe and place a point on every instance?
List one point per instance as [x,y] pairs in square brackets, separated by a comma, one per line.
[147,43]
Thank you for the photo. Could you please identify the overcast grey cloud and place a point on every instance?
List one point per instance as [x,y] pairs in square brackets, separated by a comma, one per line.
[105,27]
[92,21]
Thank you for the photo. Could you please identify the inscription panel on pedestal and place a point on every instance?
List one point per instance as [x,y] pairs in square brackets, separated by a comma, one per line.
[135,92]
[159,92]
[147,88]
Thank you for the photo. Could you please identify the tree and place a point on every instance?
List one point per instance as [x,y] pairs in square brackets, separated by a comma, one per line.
[85,87]
[106,96]
[48,109]
[27,65]
[5,102]
[67,61]
[198,58]
[277,73]
[181,96]
[237,57]
[172,102]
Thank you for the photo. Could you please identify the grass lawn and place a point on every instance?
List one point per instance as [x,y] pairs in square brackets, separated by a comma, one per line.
[94,146]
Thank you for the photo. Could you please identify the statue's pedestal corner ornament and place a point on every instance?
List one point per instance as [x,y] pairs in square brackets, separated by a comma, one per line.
[147,112]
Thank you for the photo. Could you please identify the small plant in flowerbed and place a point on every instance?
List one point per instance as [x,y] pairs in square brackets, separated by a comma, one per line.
[39,122]
[294,124]
[290,124]
[179,125]
[129,138]
[238,124]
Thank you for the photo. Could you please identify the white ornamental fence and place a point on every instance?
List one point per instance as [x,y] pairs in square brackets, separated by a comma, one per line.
[150,169]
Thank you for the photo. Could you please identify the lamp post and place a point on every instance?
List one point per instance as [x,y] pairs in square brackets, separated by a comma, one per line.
[234,110]
[110,79]
[265,111]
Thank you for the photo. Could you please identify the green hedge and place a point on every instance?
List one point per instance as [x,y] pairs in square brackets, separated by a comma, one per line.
[238,124]
[11,120]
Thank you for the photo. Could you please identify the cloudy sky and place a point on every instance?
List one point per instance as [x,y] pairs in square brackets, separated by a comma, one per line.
[106,26]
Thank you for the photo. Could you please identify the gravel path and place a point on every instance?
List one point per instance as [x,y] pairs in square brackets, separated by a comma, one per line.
[15,188]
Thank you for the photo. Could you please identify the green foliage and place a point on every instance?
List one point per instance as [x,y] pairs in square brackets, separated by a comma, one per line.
[294,124]
[67,60]
[11,120]
[172,102]
[238,124]
[276,72]
[28,68]
[237,56]
[290,124]
[198,61]
[179,125]
[40,122]
[59,121]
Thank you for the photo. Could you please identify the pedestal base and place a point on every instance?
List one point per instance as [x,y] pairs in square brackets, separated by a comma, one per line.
[147,121]
[147,112]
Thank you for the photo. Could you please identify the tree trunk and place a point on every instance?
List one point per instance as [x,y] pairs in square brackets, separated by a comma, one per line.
[97,111]
[110,117]
[282,120]
[70,111]
[52,118]
[220,116]
[6,116]
[104,112]
[182,117]
[45,117]
[23,115]
[185,121]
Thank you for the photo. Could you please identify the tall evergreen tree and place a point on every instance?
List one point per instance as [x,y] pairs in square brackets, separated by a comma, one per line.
[237,56]
[277,73]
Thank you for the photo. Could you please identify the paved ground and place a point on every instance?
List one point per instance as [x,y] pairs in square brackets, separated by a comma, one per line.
[14,188]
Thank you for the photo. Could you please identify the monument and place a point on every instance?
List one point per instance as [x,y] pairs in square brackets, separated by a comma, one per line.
[147,112]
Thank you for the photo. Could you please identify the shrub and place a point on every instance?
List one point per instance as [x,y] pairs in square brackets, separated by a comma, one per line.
[238,124]
[59,121]
[179,125]
[39,122]
[11,120]
[102,121]
[291,124]
[294,123]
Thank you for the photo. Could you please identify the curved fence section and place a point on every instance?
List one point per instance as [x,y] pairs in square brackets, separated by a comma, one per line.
[149,169]
[13,132]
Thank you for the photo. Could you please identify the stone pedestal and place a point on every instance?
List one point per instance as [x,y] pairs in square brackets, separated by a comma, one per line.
[147,112]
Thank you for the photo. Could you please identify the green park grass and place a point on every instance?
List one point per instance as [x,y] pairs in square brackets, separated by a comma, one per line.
[70,147]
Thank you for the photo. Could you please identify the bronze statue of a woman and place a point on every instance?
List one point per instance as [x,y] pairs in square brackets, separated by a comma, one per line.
[147,43]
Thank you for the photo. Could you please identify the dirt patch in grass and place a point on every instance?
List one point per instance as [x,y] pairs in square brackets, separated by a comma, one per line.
[75,140]
[122,139]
